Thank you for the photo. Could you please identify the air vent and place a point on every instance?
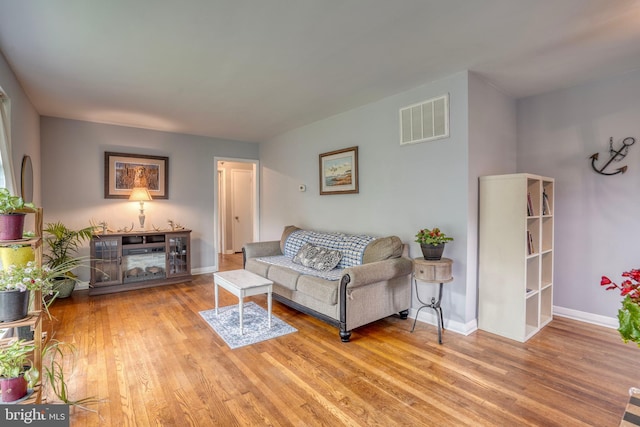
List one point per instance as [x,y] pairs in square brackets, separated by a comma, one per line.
[426,121]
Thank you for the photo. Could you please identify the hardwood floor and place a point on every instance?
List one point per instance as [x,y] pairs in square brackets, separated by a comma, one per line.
[150,354]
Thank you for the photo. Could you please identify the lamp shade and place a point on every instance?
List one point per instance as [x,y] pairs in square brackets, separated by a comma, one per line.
[140,194]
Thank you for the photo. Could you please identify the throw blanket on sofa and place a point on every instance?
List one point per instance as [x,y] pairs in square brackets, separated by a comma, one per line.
[285,261]
[350,245]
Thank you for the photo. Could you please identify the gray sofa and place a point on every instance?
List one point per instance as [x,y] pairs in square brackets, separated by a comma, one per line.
[371,280]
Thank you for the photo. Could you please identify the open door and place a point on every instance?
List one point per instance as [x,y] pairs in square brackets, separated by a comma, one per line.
[236,203]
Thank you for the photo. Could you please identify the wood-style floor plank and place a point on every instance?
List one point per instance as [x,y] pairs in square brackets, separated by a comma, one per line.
[156,362]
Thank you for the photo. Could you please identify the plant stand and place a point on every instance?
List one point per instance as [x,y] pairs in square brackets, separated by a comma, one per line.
[432,271]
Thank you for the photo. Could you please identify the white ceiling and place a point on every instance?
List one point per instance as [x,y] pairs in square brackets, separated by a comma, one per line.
[251,69]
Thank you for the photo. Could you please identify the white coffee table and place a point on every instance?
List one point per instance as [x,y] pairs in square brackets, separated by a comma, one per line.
[243,283]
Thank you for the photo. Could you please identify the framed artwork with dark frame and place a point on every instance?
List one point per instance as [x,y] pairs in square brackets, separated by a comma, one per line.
[124,171]
[339,171]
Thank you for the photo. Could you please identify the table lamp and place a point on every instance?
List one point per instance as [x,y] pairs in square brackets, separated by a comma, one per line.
[140,194]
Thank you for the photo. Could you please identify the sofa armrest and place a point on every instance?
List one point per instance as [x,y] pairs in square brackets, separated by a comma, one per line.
[260,249]
[373,272]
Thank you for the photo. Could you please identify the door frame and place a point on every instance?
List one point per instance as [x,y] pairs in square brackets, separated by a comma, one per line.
[256,200]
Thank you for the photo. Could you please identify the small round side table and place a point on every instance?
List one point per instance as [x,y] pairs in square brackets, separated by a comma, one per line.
[428,271]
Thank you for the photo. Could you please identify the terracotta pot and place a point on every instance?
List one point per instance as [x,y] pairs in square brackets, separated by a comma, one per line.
[432,252]
[11,226]
[12,389]
[14,305]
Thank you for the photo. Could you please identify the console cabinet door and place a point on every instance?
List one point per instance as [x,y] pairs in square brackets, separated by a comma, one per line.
[178,254]
[106,260]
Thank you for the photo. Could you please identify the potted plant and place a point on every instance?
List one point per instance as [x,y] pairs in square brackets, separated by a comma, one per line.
[11,217]
[17,281]
[629,314]
[62,245]
[432,242]
[17,373]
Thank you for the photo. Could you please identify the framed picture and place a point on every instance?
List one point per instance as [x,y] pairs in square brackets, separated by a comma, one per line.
[339,171]
[123,172]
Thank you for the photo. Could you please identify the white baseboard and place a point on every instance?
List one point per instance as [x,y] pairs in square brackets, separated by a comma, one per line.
[596,319]
[204,270]
[428,315]
[80,285]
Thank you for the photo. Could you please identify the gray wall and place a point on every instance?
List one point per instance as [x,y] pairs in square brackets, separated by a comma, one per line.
[492,151]
[596,217]
[25,129]
[402,188]
[73,179]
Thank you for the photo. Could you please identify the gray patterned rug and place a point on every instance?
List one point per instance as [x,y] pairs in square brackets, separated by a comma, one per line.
[256,326]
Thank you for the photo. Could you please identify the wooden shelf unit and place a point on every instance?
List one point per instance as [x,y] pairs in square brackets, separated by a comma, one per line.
[515,289]
[34,319]
[156,257]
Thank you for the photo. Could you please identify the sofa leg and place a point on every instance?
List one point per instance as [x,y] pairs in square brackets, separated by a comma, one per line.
[345,335]
[404,314]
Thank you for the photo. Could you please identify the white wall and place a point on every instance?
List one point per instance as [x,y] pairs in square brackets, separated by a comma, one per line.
[402,188]
[73,179]
[596,217]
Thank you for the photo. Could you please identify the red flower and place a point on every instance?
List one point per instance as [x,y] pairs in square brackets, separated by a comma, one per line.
[605,281]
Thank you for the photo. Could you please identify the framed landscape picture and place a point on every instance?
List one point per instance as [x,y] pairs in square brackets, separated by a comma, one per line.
[339,171]
[123,172]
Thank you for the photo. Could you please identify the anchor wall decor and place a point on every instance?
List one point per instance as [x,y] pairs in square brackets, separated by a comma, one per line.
[616,155]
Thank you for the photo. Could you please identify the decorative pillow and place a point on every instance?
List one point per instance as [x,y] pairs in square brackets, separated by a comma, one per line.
[317,257]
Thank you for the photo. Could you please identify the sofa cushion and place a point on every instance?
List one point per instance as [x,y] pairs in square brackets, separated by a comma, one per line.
[317,257]
[383,248]
[258,267]
[285,261]
[284,276]
[323,290]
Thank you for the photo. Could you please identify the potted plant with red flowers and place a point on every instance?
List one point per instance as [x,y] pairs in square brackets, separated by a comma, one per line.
[629,314]
[432,242]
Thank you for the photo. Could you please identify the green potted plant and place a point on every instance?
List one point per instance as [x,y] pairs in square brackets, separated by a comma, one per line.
[19,282]
[17,373]
[62,245]
[432,242]
[12,215]
[16,282]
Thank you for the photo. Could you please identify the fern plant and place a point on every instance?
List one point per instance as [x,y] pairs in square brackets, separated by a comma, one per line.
[63,244]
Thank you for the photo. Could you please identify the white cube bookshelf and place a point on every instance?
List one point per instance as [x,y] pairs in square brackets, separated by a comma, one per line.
[515,290]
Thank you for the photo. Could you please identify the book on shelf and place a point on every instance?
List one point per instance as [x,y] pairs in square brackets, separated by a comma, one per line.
[546,207]
[529,205]
[530,247]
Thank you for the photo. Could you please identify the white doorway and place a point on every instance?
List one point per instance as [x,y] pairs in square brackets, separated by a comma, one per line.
[236,203]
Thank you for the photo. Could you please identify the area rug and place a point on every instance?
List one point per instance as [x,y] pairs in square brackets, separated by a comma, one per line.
[256,326]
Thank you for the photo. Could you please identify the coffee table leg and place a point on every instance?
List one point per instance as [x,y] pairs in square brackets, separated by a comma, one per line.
[215,292]
[240,309]
[269,306]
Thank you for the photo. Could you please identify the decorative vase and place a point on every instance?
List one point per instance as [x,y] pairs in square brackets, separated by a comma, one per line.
[17,255]
[11,226]
[12,389]
[14,305]
[432,252]
[64,287]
